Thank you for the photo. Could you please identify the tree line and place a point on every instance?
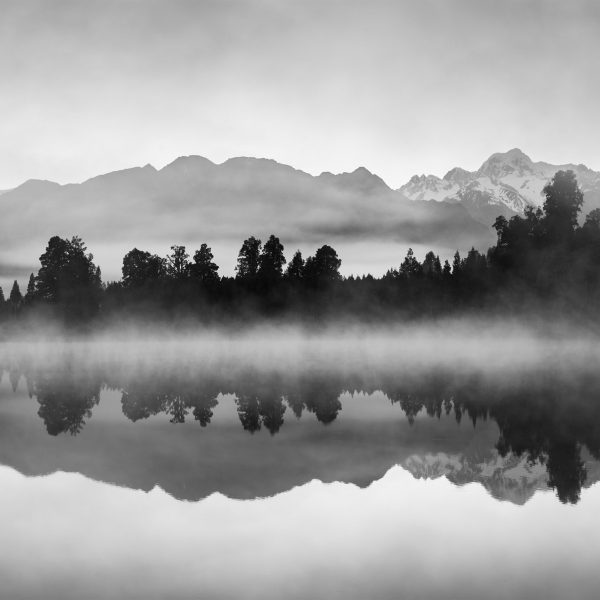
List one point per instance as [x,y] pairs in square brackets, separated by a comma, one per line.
[545,257]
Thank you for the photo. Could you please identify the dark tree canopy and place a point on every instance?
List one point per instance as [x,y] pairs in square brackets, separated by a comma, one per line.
[410,266]
[324,266]
[563,203]
[69,279]
[271,259]
[248,258]
[178,266]
[140,267]
[203,268]
[295,268]
[15,294]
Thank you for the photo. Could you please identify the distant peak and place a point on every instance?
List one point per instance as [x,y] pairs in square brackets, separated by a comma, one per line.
[187,161]
[457,174]
[504,163]
[514,154]
[362,171]
[37,183]
[423,178]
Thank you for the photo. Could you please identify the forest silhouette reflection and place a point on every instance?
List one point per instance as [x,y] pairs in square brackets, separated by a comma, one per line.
[543,417]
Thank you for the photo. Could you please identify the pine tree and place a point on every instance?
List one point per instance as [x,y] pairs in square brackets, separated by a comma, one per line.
[456,264]
[410,266]
[203,268]
[15,297]
[30,294]
[248,259]
[271,259]
[295,268]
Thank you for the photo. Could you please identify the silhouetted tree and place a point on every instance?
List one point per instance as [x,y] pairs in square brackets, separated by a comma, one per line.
[563,202]
[30,294]
[69,279]
[203,269]
[140,268]
[248,259]
[178,266]
[410,266]
[295,268]
[271,260]
[324,267]
[15,297]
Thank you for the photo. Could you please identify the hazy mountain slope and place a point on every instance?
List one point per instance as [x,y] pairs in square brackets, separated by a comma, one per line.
[506,183]
[193,200]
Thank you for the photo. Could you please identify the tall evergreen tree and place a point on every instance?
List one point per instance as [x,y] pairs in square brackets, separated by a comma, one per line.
[410,266]
[178,266]
[564,200]
[248,259]
[203,268]
[295,268]
[324,266]
[30,294]
[69,278]
[271,260]
[15,297]
[456,264]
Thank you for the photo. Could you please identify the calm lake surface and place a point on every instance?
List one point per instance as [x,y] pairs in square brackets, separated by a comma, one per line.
[414,465]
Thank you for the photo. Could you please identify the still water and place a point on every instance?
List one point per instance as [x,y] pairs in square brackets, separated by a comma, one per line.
[301,468]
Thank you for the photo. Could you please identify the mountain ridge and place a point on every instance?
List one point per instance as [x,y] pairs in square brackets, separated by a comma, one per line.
[192,200]
[508,182]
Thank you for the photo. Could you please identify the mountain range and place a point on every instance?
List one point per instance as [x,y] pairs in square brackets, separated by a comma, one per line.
[193,200]
[506,183]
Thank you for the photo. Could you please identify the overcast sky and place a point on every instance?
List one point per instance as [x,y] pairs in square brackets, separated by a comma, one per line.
[400,87]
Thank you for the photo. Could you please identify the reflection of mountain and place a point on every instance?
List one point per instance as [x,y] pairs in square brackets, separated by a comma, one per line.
[510,478]
[187,428]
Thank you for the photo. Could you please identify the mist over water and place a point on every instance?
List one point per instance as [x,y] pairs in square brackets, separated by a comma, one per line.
[348,444]
[493,349]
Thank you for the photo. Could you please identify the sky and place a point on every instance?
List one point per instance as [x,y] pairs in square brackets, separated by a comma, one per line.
[400,87]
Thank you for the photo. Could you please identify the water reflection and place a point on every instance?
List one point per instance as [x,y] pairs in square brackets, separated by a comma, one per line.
[544,418]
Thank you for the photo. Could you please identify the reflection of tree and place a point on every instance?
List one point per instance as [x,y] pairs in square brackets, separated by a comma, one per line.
[66,398]
[259,402]
[203,405]
[566,473]
[537,426]
[14,375]
[173,395]
[247,409]
[141,403]
[322,397]
[538,420]
[271,409]
[542,419]
[295,402]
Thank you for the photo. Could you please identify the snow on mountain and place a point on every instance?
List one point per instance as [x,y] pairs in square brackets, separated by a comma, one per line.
[506,183]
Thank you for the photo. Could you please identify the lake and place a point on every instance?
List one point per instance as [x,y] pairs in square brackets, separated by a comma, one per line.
[436,462]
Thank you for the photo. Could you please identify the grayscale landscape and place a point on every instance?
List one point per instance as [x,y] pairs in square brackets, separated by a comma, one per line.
[299,299]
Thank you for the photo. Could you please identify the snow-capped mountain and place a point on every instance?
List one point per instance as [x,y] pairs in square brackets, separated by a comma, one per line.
[506,183]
